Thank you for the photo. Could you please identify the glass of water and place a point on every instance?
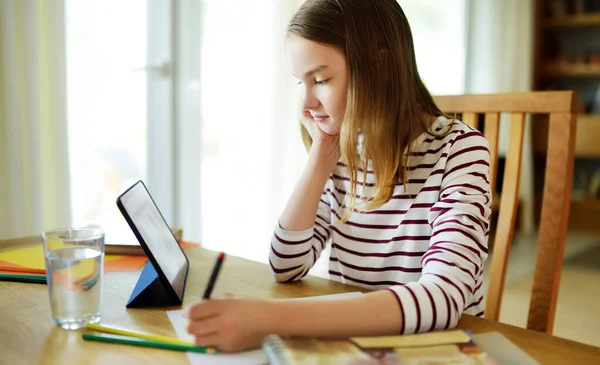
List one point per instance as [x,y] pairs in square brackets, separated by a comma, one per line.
[74,268]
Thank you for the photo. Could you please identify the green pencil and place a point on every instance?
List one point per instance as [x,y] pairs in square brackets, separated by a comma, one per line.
[126,340]
[24,278]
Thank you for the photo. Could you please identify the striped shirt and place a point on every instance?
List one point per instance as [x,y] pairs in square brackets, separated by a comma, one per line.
[427,244]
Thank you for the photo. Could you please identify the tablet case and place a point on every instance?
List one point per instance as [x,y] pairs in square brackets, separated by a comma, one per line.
[149,291]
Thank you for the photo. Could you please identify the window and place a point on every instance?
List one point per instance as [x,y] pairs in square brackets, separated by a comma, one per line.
[439,29]
[111,112]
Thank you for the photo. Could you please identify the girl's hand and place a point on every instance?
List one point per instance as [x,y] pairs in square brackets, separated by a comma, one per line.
[313,129]
[228,324]
[325,145]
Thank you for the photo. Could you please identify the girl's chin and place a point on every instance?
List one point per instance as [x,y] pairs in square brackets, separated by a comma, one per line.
[329,129]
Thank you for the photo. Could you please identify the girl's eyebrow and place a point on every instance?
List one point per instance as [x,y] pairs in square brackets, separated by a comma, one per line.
[314,70]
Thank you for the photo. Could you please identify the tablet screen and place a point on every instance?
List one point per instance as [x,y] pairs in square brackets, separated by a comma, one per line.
[156,234]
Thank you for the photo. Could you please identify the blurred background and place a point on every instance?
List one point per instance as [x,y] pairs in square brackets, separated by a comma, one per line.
[195,98]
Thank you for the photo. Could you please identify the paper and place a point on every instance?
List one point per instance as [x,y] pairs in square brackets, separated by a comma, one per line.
[254,357]
[31,260]
[418,340]
[30,257]
[502,350]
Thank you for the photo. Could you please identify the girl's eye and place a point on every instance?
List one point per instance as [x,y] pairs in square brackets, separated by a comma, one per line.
[321,82]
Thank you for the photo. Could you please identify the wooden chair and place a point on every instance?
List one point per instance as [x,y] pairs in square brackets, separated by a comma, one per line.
[561,106]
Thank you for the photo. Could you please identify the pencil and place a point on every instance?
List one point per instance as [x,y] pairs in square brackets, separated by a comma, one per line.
[24,278]
[213,276]
[123,332]
[125,340]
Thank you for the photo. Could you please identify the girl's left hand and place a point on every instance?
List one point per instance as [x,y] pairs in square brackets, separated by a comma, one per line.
[229,324]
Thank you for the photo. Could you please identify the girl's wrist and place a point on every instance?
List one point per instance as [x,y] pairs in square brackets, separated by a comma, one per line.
[325,155]
[271,317]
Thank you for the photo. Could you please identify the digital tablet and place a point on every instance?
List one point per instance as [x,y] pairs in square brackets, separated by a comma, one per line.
[156,238]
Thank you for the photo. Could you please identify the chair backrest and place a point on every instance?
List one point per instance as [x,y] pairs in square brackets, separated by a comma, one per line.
[561,107]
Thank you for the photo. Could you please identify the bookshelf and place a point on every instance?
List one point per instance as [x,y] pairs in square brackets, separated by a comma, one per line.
[567,57]
[572,20]
[573,70]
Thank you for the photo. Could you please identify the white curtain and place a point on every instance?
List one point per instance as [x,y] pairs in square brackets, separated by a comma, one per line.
[34,176]
[500,60]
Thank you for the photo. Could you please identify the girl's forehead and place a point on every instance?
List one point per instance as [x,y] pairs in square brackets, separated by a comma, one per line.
[311,54]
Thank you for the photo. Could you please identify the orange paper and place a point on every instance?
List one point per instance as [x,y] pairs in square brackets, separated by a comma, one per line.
[30,260]
[10,267]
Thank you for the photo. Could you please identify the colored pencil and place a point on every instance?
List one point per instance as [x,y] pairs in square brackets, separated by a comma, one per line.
[126,340]
[24,278]
[123,332]
[214,275]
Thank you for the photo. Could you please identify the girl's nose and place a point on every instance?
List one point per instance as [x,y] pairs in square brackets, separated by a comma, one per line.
[310,102]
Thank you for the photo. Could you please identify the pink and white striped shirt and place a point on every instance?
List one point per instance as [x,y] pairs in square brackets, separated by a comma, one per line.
[427,244]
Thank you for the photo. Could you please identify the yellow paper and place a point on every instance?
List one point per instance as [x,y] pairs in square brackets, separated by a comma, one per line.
[30,257]
[33,257]
[423,339]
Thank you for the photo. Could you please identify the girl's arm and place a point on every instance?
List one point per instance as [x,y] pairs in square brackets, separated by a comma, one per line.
[231,324]
[303,231]
[301,209]
[375,313]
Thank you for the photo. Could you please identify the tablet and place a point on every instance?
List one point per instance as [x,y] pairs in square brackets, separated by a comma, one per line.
[156,238]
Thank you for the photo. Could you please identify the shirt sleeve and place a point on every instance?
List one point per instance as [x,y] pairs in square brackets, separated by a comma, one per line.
[293,253]
[453,263]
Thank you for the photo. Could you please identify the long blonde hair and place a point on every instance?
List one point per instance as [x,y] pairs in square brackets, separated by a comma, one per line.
[386,100]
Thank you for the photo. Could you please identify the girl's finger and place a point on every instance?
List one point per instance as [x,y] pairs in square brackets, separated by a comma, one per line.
[203,309]
[211,340]
[307,123]
[203,327]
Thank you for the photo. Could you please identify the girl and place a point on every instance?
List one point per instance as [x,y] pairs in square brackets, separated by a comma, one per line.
[399,191]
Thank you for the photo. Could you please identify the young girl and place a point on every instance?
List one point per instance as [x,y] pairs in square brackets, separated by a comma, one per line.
[399,191]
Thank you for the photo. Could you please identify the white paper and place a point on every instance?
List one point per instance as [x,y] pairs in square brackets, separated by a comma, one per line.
[254,357]
[502,350]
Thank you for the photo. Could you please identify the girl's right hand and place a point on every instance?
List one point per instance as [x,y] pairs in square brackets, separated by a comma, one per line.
[325,145]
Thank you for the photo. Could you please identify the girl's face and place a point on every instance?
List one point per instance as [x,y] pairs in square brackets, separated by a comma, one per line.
[323,74]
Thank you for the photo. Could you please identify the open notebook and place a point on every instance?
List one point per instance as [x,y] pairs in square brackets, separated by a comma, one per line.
[444,347]
[447,347]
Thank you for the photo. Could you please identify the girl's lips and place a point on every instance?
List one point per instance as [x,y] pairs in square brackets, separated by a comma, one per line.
[320,119]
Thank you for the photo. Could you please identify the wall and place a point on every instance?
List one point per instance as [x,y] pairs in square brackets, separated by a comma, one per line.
[500,59]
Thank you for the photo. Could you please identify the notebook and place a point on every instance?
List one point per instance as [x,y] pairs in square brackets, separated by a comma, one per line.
[444,347]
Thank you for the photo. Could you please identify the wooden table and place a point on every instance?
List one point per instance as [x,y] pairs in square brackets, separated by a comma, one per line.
[28,335]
